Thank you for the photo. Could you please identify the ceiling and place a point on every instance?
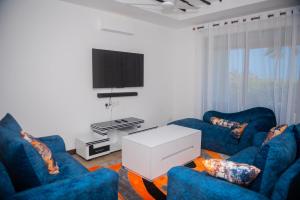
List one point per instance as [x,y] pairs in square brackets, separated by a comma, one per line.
[184,13]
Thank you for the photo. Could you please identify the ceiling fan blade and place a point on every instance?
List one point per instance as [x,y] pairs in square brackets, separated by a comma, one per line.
[206,2]
[144,4]
[187,3]
[136,1]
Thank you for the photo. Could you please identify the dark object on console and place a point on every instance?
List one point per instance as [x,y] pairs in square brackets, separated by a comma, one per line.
[117,94]
[219,139]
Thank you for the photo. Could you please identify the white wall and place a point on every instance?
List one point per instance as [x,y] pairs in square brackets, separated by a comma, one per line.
[45,68]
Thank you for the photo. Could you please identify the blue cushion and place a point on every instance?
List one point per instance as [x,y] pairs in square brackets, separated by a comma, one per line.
[215,138]
[6,187]
[273,158]
[245,156]
[24,164]
[297,136]
[218,138]
[286,183]
[259,138]
[68,167]
[99,185]
[188,184]
[11,123]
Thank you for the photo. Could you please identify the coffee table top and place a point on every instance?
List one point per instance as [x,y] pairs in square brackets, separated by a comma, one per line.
[161,135]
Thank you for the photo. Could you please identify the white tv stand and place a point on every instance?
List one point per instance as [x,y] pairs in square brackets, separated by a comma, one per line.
[97,144]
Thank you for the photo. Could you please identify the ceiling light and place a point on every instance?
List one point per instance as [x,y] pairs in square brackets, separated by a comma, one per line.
[168,4]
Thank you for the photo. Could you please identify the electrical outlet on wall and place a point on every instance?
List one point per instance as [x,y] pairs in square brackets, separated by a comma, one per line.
[107,105]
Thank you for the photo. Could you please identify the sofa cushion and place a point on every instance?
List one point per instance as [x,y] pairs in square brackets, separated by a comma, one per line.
[9,122]
[273,158]
[259,138]
[237,128]
[43,151]
[6,187]
[239,173]
[275,131]
[245,156]
[25,166]
[214,138]
[68,167]
[287,184]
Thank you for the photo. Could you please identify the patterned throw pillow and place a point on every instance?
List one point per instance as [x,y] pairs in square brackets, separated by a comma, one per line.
[239,173]
[237,129]
[277,130]
[44,151]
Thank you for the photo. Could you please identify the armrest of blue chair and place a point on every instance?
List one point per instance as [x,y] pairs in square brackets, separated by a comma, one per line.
[244,116]
[264,124]
[213,113]
[101,184]
[54,142]
[188,184]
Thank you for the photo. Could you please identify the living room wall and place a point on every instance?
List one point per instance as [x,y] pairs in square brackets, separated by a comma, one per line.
[46,67]
[186,84]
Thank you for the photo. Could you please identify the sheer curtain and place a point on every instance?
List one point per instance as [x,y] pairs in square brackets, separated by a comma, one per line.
[252,64]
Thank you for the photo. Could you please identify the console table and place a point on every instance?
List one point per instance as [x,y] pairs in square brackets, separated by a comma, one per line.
[93,144]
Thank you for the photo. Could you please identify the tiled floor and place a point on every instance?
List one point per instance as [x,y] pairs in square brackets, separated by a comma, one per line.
[103,161]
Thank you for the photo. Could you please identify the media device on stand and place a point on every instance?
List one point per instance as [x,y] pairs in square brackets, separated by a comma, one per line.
[106,137]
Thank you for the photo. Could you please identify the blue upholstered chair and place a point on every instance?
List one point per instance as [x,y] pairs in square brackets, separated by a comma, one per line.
[279,161]
[219,139]
[23,174]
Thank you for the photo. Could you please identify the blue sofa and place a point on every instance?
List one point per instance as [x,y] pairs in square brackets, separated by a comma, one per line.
[279,161]
[23,174]
[219,139]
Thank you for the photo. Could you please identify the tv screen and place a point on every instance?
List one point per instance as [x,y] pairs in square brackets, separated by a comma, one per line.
[115,69]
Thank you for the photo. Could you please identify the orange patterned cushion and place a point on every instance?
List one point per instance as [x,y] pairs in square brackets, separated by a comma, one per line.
[274,132]
[237,129]
[44,151]
[239,173]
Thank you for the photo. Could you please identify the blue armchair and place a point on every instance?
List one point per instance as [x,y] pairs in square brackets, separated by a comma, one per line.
[23,174]
[219,139]
[278,160]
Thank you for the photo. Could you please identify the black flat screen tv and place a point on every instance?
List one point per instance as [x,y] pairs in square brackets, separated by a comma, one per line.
[115,69]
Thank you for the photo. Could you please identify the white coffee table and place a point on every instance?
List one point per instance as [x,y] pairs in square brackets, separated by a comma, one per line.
[152,153]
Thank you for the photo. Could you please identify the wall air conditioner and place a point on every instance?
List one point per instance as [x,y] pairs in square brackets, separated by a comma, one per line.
[117,26]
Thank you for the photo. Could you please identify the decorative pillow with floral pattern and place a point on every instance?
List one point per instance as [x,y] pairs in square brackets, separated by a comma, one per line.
[277,130]
[237,129]
[238,173]
[44,151]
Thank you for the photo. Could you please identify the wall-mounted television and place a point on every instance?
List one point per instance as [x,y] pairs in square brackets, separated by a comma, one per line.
[115,69]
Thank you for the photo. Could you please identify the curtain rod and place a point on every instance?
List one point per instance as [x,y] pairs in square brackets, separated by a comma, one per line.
[258,16]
